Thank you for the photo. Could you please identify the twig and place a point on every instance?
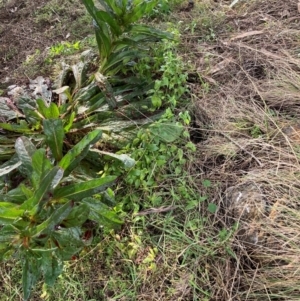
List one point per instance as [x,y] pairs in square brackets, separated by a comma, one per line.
[156,210]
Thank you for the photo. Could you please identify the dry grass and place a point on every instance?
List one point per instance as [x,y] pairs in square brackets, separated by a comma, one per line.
[252,139]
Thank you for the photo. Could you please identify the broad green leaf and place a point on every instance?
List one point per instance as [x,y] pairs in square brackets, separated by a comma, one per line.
[79,151]
[40,164]
[104,43]
[102,214]
[149,31]
[115,60]
[78,191]
[69,242]
[167,132]
[9,112]
[9,212]
[25,149]
[55,219]
[52,267]
[48,112]
[134,42]
[77,217]
[84,95]
[114,7]
[48,181]
[33,118]
[53,111]
[25,102]
[10,165]
[42,108]
[8,234]
[69,123]
[138,11]
[18,195]
[110,20]
[31,274]
[54,132]
[18,128]
[125,159]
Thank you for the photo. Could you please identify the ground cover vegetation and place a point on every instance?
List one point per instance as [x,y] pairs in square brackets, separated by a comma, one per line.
[160,160]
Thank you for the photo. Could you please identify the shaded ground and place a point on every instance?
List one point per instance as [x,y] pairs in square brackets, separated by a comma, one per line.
[28,28]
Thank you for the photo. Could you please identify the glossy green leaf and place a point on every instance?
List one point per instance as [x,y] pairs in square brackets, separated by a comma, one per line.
[40,164]
[10,165]
[18,128]
[149,31]
[69,122]
[104,43]
[54,132]
[25,102]
[9,112]
[25,149]
[6,153]
[115,60]
[52,267]
[79,151]
[48,181]
[55,219]
[78,191]
[31,274]
[49,112]
[18,195]
[125,159]
[69,242]
[8,234]
[9,212]
[139,10]
[33,118]
[102,214]
[110,20]
[77,217]
[114,7]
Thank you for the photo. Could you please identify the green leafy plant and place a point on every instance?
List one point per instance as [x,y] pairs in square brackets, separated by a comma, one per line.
[120,40]
[51,210]
[64,48]
[170,88]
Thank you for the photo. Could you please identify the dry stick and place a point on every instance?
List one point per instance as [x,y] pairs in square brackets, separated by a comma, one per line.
[156,210]
[234,276]
[251,285]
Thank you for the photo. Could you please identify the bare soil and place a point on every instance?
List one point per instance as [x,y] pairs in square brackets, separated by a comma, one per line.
[30,27]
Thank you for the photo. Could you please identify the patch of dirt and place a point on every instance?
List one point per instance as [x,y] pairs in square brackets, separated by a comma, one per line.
[28,28]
